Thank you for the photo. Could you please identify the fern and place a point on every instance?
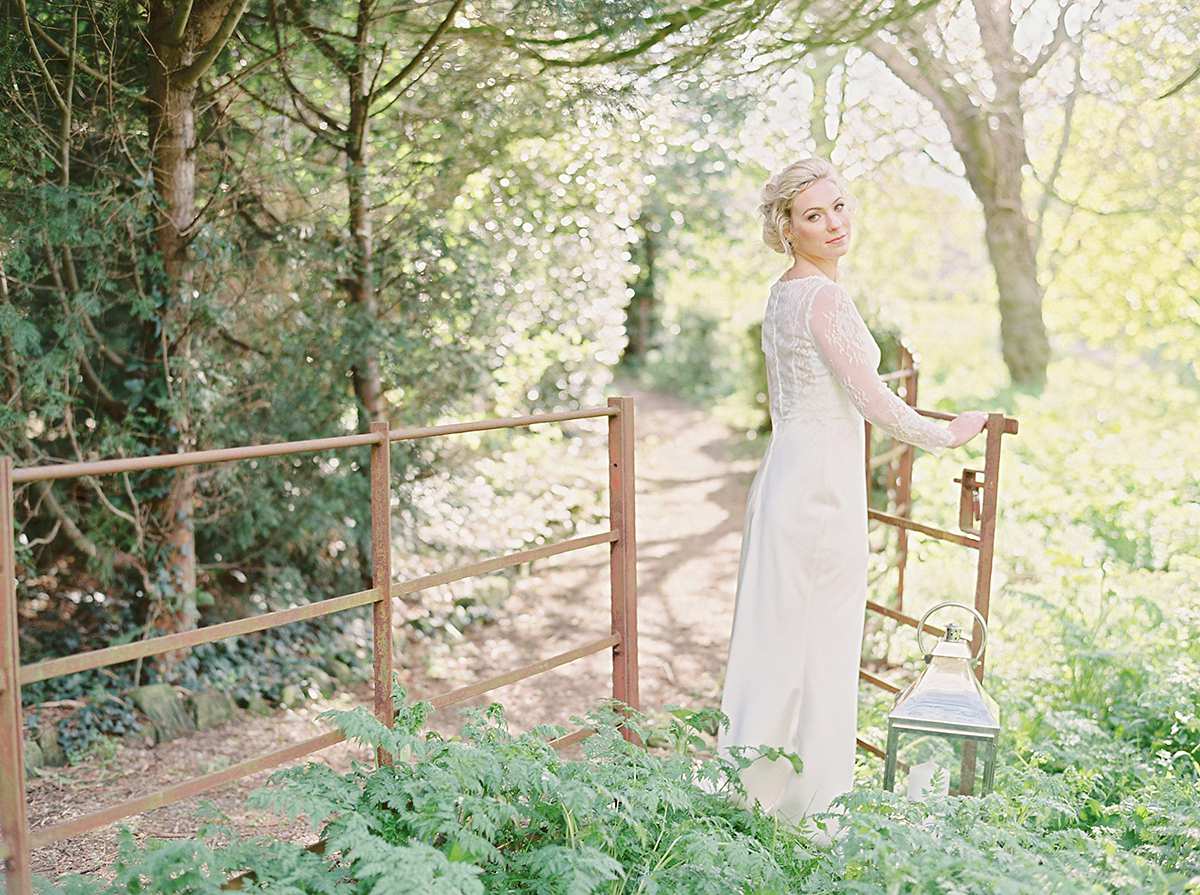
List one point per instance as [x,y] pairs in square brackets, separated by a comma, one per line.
[179,866]
[381,868]
[562,870]
[488,813]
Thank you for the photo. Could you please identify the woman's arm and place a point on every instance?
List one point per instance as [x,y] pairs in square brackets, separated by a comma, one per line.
[846,344]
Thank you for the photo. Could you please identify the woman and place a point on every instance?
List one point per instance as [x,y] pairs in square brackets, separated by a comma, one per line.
[792,677]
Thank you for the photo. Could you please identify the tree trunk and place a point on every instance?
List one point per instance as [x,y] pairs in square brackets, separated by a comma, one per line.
[368,381]
[183,39]
[992,146]
[822,65]
[1023,338]
[642,314]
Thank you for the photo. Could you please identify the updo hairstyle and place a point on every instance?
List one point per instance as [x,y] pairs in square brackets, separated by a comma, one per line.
[782,189]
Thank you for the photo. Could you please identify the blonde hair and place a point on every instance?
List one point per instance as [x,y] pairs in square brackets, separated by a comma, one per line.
[782,189]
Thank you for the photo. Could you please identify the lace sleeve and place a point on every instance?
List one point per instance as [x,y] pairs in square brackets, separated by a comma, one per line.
[846,344]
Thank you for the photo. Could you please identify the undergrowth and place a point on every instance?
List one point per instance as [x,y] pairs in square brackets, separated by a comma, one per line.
[492,812]
[1095,663]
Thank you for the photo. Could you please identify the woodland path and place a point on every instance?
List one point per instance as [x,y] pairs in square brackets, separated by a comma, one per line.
[692,473]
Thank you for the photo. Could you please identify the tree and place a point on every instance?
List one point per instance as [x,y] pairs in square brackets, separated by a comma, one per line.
[177,312]
[83,75]
[682,156]
[964,60]
[1122,232]
[681,34]
[682,50]
[374,97]
[408,207]
[184,39]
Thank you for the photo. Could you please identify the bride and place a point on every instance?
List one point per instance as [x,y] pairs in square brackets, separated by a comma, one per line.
[792,677]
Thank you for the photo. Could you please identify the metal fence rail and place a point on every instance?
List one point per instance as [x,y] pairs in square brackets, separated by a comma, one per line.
[978,506]
[19,840]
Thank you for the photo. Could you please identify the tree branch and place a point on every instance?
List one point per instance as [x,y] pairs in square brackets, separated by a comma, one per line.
[179,22]
[113,408]
[191,73]
[68,111]
[64,291]
[100,76]
[90,481]
[1060,36]
[118,559]
[234,340]
[324,47]
[336,129]
[26,26]
[424,51]
[996,37]
[922,73]
[1178,88]
[1049,187]
[268,57]
[661,29]
[12,366]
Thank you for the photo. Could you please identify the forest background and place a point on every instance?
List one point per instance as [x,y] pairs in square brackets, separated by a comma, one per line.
[237,222]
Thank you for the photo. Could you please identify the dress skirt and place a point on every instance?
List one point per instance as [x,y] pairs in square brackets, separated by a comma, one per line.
[792,677]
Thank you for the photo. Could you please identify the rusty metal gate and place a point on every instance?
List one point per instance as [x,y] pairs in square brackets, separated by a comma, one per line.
[978,501]
[19,840]
[893,464]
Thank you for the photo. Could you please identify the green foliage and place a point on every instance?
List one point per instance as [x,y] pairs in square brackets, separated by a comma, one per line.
[621,819]
[1095,599]
[693,360]
[505,202]
[1131,194]
[1000,843]
[492,812]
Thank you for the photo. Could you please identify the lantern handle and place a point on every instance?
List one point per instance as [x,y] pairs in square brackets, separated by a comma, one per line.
[971,609]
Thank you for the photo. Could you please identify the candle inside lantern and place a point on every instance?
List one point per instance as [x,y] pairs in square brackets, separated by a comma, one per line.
[921,781]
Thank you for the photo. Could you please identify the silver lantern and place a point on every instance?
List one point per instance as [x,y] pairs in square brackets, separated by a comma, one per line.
[941,722]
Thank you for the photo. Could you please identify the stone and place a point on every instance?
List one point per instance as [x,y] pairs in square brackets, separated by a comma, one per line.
[339,671]
[34,760]
[165,709]
[209,708]
[141,736]
[291,696]
[317,678]
[53,753]
[256,705]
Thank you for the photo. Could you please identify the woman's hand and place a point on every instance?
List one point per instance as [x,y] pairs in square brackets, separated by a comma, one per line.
[966,426]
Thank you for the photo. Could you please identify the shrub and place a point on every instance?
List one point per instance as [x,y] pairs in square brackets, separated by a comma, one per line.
[490,812]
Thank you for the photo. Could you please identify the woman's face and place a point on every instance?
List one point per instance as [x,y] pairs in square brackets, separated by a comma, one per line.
[820,222]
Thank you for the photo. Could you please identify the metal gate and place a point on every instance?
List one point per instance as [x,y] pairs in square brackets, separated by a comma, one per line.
[19,840]
[978,501]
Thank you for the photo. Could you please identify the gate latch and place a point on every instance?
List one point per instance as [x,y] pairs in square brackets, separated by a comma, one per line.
[970,501]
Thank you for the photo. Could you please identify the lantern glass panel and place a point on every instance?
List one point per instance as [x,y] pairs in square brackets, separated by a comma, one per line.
[930,763]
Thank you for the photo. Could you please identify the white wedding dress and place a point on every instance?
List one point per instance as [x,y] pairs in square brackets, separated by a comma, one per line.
[792,676]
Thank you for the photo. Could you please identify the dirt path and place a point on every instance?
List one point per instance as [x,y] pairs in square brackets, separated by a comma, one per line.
[692,478]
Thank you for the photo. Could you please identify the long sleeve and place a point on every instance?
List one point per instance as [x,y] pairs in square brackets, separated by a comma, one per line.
[849,351]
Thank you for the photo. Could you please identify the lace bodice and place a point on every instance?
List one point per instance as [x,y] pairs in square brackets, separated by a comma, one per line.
[822,364]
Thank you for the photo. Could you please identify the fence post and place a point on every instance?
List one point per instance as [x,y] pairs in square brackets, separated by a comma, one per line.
[623,553]
[995,429]
[14,816]
[908,360]
[381,576]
